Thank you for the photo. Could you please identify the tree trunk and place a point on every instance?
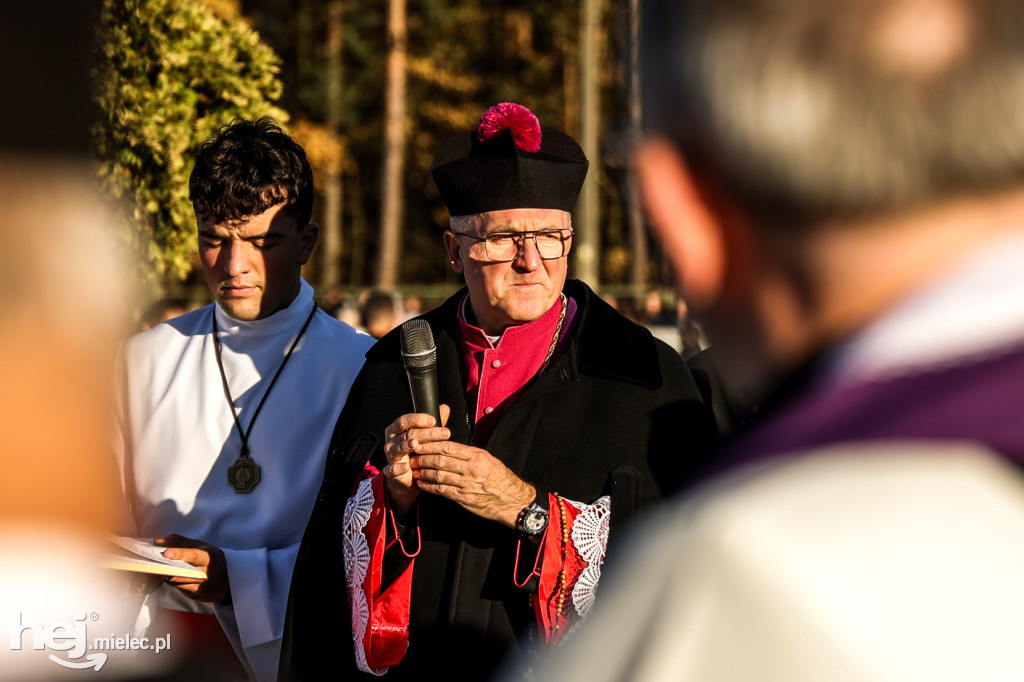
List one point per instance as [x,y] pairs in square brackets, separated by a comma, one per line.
[394,148]
[637,233]
[587,246]
[332,239]
[358,262]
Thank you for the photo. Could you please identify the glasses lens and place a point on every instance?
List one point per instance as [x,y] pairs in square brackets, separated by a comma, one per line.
[551,244]
[501,247]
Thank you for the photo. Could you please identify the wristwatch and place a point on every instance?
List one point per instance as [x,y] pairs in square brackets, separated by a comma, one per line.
[532,520]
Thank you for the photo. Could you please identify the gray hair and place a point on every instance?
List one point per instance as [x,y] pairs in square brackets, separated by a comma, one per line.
[462,224]
[805,110]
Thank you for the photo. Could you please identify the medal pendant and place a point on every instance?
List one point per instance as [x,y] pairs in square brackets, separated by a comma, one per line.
[243,475]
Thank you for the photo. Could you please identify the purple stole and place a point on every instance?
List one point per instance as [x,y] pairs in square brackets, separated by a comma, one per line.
[981,401]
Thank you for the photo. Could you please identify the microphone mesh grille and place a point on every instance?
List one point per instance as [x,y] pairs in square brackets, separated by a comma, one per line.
[418,344]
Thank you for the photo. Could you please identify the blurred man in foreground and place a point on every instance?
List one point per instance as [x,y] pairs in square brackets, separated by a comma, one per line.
[63,299]
[58,493]
[840,187]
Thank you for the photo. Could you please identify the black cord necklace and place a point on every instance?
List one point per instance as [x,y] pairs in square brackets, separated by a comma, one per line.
[245,474]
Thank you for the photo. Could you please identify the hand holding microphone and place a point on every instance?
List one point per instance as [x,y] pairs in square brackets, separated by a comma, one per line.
[466,475]
[401,437]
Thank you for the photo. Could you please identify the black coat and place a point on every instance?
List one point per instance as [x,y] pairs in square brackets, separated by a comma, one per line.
[618,414]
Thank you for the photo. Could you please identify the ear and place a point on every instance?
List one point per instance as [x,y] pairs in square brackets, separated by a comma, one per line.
[454,246]
[308,238]
[684,216]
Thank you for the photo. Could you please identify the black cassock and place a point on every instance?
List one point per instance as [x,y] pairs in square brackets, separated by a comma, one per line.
[617,414]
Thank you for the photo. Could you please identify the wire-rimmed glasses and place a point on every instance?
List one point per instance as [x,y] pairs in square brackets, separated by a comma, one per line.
[504,247]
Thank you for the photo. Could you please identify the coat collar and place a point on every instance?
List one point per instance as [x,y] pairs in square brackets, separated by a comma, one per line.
[606,344]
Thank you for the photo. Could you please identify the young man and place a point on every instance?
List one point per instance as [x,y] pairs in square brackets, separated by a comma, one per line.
[226,412]
[463,536]
[840,186]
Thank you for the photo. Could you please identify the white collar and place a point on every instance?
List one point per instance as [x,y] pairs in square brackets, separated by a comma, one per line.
[493,340]
[295,314]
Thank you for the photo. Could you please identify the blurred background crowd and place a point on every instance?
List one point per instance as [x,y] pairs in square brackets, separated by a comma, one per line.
[378,311]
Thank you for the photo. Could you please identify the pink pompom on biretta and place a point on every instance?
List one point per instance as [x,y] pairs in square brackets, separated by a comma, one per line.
[521,121]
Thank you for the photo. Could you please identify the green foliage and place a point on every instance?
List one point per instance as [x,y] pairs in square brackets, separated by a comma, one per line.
[169,74]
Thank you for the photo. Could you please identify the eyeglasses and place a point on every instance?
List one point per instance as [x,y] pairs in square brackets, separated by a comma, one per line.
[504,247]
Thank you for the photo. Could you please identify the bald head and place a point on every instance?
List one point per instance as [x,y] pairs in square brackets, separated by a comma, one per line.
[809,110]
[923,38]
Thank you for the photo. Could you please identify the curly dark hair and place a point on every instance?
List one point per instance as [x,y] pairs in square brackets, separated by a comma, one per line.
[247,168]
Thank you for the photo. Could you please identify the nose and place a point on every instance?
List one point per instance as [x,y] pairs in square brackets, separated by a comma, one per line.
[236,258]
[528,257]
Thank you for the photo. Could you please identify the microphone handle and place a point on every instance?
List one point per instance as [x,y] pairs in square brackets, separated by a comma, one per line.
[423,386]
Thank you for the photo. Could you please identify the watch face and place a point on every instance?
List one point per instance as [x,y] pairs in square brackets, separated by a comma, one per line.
[534,521]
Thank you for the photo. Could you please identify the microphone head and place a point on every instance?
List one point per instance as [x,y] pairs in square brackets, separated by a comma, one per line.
[418,350]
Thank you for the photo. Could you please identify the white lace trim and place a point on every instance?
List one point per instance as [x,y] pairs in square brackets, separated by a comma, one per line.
[590,538]
[357,562]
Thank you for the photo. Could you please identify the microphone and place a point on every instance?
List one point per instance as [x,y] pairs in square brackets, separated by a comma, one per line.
[420,359]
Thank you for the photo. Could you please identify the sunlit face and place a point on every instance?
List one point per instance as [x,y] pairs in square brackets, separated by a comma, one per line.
[252,266]
[504,294]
